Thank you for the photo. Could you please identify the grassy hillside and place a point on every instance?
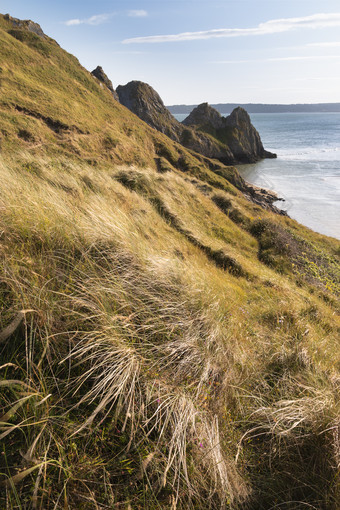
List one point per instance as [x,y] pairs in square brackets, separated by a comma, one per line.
[51,105]
[164,341]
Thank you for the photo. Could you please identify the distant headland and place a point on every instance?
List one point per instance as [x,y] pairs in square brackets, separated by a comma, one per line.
[264,108]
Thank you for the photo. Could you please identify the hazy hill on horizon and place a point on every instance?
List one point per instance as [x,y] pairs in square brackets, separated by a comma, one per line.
[226,108]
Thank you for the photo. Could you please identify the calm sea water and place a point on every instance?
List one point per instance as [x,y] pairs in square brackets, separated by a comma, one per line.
[307,171]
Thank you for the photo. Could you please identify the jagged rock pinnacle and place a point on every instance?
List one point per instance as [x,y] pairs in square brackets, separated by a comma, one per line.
[99,73]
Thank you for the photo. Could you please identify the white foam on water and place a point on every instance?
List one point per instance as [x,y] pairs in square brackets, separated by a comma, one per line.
[310,154]
[307,171]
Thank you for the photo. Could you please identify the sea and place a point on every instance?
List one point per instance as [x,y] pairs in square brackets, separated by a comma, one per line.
[306,173]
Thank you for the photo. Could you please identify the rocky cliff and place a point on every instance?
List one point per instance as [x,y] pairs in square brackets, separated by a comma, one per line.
[232,140]
[146,103]
[204,116]
[236,131]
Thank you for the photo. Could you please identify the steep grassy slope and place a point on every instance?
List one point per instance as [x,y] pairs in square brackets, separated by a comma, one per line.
[164,341]
[50,104]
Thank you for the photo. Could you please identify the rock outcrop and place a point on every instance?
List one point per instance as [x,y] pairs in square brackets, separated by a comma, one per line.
[230,140]
[146,103]
[204,116]
[246,142]
[236,131]
[99,73]
[26,24]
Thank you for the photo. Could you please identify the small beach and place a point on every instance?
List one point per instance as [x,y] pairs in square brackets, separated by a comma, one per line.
[306,173]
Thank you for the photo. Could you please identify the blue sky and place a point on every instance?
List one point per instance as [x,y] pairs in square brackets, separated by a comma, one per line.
[190,51]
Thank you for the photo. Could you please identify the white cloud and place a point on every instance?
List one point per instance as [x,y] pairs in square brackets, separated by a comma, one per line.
[309,57]
[279,59]
[137,13]
[98,19]
[269,27]
[72,22]
[334,44]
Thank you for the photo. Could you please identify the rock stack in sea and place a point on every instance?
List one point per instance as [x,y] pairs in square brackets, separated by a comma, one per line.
[236,131]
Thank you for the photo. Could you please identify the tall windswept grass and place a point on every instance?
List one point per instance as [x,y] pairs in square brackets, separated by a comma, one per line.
[135,371]
[151,356]
[164,341]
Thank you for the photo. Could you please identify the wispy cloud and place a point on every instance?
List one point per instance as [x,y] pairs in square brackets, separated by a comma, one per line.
[279,59]
[317,79]
[333,44]
[269,27]
[128,53]
[305,57]
[98,19]
[137,13]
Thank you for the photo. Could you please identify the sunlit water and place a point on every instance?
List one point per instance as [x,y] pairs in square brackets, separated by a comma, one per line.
[307,171]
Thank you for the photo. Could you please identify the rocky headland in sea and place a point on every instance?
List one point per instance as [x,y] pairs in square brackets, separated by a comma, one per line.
[230,140]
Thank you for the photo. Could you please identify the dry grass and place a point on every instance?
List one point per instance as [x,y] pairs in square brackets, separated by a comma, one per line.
[158,348]
[141,363]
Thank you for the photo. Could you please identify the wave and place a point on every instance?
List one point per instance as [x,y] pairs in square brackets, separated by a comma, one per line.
[309,154]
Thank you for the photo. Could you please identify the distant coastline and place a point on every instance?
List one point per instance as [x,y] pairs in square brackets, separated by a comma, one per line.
[225,108]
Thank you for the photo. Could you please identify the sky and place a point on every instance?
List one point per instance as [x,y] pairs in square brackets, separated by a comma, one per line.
[192,51]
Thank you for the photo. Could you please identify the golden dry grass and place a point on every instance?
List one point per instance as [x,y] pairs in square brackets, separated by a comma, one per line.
[165,342]
[132,327]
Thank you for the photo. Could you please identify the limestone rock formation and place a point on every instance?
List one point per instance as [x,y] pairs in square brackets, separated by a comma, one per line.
[146,103]
[230,140]
[204,115]
[246,141]
[99,73]
[236,131]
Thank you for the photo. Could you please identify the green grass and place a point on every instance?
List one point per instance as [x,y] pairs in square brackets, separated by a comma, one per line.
[144,371]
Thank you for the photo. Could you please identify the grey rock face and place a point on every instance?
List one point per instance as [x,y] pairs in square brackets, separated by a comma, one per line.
[146,103]
[204,114]
[245,142]
[232,139]
[236,131]
[27,24]
[98,72]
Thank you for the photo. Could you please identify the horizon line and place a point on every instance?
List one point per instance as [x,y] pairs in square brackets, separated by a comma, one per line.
[256,104]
